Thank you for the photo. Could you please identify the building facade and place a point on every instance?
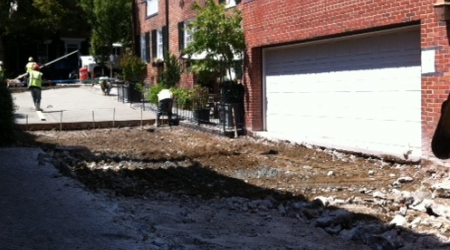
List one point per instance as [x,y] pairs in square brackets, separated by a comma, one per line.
[364,76]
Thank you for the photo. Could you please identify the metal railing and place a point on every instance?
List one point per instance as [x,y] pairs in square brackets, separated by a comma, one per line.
[217,116]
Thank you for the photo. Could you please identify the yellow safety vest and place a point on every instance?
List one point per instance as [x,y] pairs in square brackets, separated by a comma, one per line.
[30,66]
[35,79]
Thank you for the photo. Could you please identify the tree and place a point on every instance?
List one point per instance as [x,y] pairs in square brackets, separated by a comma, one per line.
[218,33]
[111,22]
[25,23]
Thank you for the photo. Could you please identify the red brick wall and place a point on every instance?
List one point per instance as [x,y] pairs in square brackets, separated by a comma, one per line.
[272,22]
[179,11]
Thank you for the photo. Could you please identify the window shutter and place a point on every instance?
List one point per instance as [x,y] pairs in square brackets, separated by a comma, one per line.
[154,43]
[180,36]
[147,46]
[137,45]
[222,1]
[238,2]
[164,40]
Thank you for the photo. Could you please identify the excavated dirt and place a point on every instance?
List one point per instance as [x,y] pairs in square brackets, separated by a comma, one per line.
[209,165]
[134,162]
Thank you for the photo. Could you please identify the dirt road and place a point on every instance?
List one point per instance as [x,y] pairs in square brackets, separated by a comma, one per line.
[176,188]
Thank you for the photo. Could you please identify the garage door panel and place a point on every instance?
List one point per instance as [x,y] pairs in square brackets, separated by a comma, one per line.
[363,92]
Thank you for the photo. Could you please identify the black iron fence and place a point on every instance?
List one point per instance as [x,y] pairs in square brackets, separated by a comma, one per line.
[217,116]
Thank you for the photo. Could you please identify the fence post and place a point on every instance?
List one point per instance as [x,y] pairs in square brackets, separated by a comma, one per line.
[114,118]
[60,120]
[93,120]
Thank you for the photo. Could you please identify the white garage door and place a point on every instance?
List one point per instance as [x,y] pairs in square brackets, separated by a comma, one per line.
[360,94]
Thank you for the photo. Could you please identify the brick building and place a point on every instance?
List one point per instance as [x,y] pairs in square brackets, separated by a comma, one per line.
[365,76]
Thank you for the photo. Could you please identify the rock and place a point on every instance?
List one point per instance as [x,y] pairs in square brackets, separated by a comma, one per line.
[416,222]
[441,208]
[403,211]
[361,232]
[333,230]
[322,201]
[371,172]
[422,207]
[405,179]
[398,220]
[380,195]
[441,190]
[334,218]
[169,164]
[419,196]
[330,173]
[380,242]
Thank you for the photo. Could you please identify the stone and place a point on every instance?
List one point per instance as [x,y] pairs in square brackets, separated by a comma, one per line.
[322,200]
[441,190]
[379,194]
[334,218]
[398,220]
[405,179]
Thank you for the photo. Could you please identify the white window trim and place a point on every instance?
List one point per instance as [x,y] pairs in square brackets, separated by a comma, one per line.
[188,33]
[152,7]
[159,44]
[230,3]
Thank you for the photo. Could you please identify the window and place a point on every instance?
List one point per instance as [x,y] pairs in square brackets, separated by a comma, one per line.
[188,33]
[145,47]
[185,35]
[159,44]
[152,7]
[229,3]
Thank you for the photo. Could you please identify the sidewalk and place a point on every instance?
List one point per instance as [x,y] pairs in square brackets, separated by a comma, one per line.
[76,107]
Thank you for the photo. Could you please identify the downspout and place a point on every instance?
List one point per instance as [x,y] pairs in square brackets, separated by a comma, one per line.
[133,26]
[167,27]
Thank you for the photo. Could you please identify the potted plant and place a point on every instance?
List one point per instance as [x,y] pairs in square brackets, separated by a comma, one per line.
[199,97]
[134,71]
[157,61]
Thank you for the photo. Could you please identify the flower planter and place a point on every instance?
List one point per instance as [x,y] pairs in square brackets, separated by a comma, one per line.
[226,116]
[201,115]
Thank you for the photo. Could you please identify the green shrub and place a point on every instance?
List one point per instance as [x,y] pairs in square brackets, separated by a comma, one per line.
[171,74]
[182,97]
[153,93]
[199,95]
[133,68]
[7,135]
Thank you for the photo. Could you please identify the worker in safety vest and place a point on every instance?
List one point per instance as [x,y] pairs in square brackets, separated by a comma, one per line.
[35,85]
[29,67]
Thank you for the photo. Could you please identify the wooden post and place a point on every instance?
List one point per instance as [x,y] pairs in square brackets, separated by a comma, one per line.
[234,121]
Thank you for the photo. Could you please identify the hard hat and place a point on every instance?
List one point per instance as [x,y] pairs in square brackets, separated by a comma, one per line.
[1,63]
[36,67]
[30,59]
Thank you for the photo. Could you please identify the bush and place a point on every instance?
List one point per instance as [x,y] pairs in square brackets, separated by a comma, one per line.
[172,71]
[7,135]
[199,97]
[153,93]
[183,98]
[133,68]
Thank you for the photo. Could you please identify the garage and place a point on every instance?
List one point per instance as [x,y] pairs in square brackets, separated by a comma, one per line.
[361,93]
